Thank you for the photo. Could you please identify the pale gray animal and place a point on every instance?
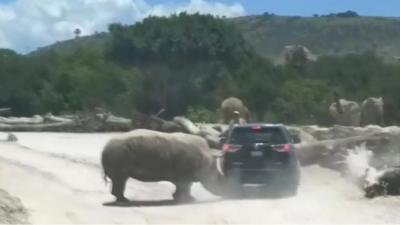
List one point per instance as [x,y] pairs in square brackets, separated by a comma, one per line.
[298,54]
[232,104]
[345,113]
[12,137]
[372,111]
[151,156]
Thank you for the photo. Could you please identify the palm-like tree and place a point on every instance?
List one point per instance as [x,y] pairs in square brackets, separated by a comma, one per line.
[77,32]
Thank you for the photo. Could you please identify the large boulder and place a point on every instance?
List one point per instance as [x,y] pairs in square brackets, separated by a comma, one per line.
[331,153]
[11,210]
[298,55]
[232,104]
[382,182]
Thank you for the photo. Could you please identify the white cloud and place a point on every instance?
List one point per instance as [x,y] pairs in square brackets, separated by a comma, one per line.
[200,6]
[29,24]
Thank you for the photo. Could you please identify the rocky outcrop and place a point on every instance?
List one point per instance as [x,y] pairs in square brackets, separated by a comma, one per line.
[11,210]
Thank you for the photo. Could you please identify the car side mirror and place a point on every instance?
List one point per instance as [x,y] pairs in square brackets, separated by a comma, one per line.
[296,139]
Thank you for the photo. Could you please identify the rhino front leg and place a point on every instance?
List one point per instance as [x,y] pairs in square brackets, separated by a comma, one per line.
[182,193]
[118,188]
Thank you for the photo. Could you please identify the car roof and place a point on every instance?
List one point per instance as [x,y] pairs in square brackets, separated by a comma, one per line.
[249,125]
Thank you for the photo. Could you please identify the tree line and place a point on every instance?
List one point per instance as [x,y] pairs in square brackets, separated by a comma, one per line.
[187,64]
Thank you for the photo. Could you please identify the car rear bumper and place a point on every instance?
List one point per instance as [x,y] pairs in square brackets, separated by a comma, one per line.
[260,176]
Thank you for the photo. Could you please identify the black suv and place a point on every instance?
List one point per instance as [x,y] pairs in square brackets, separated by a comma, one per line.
[261,154]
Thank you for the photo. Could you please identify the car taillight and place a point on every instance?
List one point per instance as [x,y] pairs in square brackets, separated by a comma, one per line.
[282,148]
[231,148]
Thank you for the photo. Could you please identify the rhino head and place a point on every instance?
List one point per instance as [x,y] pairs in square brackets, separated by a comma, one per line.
[212,176]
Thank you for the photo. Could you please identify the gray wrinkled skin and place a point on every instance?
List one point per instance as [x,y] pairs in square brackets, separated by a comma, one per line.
[351,113]
[372,111]
[231,104]
[151,156]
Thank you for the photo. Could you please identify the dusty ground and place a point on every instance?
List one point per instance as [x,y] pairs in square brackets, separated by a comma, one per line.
[11,209]
[58,178]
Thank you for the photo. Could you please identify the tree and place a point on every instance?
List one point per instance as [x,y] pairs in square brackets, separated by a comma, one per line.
[303,102]
[77,32]
[181,58]
[347,14]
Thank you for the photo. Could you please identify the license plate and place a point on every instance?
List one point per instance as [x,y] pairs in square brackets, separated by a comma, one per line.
[256,154]
[252,185]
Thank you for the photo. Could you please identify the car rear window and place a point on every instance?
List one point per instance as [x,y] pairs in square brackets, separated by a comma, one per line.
[248,135]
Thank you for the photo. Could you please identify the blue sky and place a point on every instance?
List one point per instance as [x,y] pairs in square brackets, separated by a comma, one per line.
[302,7]
[29,24]
[310,7]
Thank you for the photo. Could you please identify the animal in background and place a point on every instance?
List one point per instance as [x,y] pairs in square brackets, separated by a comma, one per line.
[372,111]
[345,112]
[232,104]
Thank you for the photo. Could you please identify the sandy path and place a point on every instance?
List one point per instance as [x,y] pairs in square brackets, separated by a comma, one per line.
[50,202]
[65,187]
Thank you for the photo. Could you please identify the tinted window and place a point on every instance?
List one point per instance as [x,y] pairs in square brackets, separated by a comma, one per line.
[247,135]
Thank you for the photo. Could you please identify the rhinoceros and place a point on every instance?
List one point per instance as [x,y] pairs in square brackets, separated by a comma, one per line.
[345,113]
[372,111]
[151,156]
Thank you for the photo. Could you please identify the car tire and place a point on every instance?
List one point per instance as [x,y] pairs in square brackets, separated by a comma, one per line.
[291,189]
[291,181]
[231,185]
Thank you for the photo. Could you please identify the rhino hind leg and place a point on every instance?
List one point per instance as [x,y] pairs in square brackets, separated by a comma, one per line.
[118,188]
[182,193]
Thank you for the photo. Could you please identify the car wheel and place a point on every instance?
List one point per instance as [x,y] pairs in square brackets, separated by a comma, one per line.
[290,183]
[232,186]
[291,189]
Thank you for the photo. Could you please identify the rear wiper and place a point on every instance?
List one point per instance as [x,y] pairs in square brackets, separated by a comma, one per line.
[261,142]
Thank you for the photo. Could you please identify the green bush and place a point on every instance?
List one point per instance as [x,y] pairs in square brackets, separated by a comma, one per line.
[201,114]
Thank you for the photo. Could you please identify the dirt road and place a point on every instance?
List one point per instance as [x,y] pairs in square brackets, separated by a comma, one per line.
[58,178]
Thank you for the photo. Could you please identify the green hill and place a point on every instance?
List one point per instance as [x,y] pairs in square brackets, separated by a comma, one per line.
[97,41]
[187,64]
[323,35]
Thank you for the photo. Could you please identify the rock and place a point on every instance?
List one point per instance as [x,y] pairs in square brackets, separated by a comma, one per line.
[11,210]
[11,137]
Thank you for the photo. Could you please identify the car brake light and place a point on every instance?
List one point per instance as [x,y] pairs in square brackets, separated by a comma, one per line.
[256,128]
[231,148]
[282,148]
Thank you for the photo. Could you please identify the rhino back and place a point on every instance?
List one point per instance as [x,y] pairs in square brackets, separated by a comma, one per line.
[372,111]
[153,156]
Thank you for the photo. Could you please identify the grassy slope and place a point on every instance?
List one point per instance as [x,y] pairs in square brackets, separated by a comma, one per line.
[322,35]
[93,41]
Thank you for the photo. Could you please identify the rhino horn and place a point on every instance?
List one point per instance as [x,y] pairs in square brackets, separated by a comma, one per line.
[219,168]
